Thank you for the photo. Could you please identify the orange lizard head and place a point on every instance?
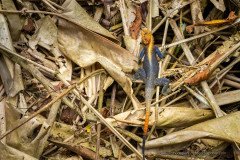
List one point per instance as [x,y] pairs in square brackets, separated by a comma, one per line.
[146,36]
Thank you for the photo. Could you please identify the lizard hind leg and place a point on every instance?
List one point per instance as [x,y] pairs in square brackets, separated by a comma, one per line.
[140,75]
[165,83]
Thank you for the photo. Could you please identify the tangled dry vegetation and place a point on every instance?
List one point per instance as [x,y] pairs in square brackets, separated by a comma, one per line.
[66,90]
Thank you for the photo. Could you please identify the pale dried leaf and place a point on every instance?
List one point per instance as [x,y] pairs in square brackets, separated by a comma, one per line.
[14,21]
[47,36]
[167,117]
[219,4]
[224,128]
[12,73]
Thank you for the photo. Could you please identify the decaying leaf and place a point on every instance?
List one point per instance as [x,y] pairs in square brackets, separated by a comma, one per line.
[86,48]
[60,43]
[168,117]
[47,34]
[224,128]
[28,26]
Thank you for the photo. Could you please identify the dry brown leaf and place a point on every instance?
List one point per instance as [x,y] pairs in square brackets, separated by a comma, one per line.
[86,48]
[224,128]
[76,13]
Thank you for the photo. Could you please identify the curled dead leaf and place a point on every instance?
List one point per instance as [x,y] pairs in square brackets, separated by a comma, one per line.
[230,19]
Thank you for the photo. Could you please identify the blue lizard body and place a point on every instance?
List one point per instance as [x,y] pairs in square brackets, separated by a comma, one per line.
[149,72]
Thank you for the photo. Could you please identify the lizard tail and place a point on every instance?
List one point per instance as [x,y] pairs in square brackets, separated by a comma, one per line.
[145,128]
[143,146]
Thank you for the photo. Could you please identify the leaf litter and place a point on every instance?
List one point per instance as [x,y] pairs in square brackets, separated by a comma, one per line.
[67,92]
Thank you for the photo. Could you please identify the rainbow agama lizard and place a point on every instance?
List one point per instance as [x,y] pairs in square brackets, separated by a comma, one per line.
[149,74]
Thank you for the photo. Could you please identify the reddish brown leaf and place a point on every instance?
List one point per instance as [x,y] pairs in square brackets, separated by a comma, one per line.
[204,74]
[135,27]
[201,76]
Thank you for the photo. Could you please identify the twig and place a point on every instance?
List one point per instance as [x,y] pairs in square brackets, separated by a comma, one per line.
[184,46]
[165,97]
[122,9]
[212,101]
[61,95]
[200,35]
[56,5]
[52,8]
[102,119]
[113,98]
[130,134]
[176,99]
[100,104]
[196,95]
[223,72]
[3,48]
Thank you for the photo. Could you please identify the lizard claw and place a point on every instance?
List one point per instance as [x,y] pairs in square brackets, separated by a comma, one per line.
[165,92]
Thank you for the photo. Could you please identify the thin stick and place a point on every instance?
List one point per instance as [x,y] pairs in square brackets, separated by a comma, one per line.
[199,36]
[100,104]
[110,127]
[166,46]
[165,97]
[61,95]
[2,47]
[113,97]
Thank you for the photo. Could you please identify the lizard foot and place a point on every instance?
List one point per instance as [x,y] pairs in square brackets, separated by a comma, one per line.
[165,83]
[140,75]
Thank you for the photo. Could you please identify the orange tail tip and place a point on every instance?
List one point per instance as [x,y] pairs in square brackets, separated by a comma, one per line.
[145,128]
